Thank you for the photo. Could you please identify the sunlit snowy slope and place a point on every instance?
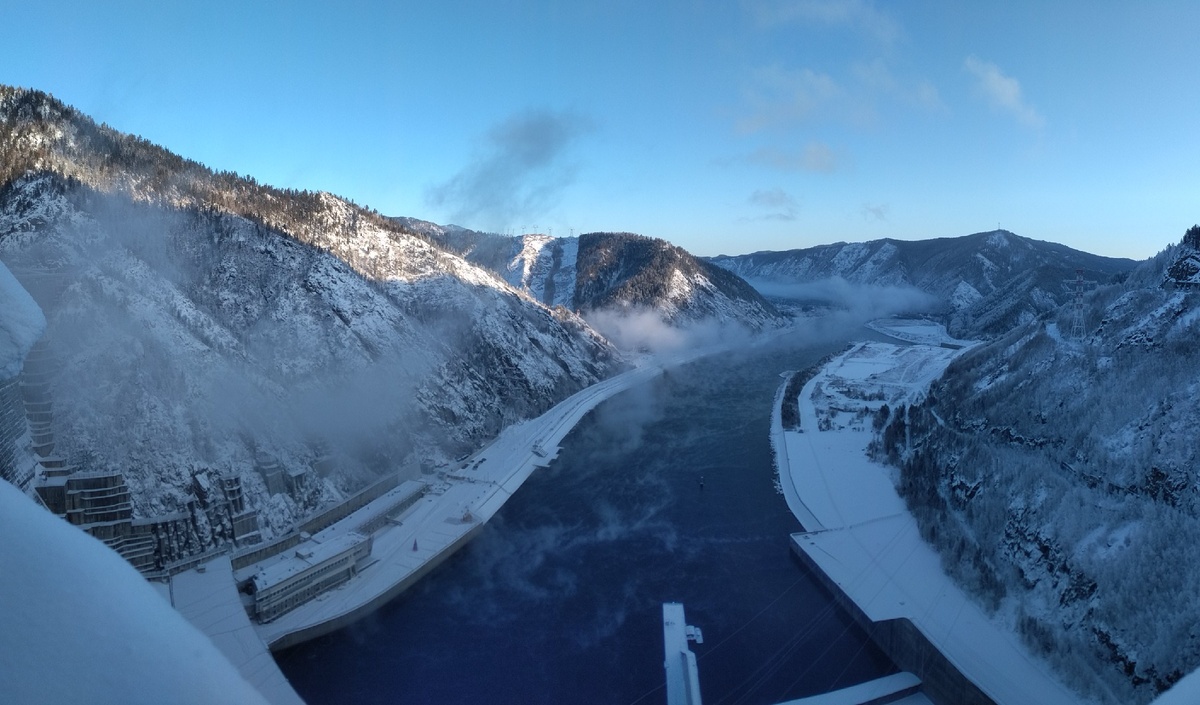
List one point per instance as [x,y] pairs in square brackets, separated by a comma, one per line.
[612,273]
[200,320]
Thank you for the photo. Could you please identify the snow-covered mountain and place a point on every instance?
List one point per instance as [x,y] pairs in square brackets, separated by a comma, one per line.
[611,272]
[201,320]
[988,282]
[1059,478]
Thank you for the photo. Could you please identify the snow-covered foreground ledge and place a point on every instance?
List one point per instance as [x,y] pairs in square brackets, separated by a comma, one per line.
[79,625]
[864,540]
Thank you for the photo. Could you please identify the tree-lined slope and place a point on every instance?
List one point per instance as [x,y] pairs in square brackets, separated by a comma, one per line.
[201,320]
[612,273]
[1059,479]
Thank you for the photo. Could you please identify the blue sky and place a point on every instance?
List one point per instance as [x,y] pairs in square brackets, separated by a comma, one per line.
[724,127]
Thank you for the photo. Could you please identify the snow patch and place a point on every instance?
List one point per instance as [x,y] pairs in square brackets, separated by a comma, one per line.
[964,296]
[21,324]
[998,240]
[527,259]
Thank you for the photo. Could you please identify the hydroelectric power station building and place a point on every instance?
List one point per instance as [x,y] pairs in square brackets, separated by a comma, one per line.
[290,580]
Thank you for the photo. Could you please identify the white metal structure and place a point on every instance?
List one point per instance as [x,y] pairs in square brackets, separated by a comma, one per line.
[683,677]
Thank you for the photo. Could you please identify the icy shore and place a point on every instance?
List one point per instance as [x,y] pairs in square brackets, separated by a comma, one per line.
[860,533]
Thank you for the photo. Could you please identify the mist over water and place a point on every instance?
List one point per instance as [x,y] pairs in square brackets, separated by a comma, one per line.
[558,600]
[860,301]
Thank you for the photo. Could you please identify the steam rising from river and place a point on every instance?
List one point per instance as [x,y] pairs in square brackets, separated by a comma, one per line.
[860,301]
[645,330]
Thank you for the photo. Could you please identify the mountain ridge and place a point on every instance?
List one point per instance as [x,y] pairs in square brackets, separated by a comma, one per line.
[987,282]
[1058,478]
[611,272]
[203,321]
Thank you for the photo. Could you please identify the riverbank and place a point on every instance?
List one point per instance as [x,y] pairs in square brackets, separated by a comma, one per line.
[558,595]
[414,527]
[458,503]
[408,545]
[863,542]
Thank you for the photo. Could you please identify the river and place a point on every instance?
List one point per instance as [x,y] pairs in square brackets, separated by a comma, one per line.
[663,493]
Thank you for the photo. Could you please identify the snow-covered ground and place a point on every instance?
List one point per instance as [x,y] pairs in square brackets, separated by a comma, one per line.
[21,324]
[1185,692]
[876,691]
[912,330]
[79,625]
[438,523]
[863,538]
[206,598]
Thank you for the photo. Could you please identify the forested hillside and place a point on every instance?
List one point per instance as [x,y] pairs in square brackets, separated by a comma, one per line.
[200,321]
[625,270]
[1059,479]
[612,274]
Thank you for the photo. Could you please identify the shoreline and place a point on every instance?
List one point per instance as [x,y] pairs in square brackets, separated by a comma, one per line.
[454,510]
[865,547]
[456,507]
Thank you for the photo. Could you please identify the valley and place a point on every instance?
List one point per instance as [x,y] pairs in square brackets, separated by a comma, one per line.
[557,595]
[450,465]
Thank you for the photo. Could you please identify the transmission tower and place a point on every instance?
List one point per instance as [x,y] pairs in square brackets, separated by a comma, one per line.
[1077,286]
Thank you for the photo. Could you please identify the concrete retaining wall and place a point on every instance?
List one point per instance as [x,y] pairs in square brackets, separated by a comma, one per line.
[357,501]
[906,646]
[303,635]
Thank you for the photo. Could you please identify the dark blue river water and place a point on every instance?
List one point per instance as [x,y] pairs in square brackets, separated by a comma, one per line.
[558,600]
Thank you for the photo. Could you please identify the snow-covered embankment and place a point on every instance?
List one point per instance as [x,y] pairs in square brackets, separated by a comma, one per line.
[863,539]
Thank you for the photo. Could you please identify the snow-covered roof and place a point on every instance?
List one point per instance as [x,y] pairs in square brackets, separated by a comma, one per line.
[209,600]
[305,556]
[21,323]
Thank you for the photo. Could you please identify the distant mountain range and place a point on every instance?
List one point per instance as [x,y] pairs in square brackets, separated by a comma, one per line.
[203,320]
[200,321]
[987,283]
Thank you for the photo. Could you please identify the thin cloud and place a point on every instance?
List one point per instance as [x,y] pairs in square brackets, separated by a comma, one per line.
[813,157]
[875,211]
[926,95]
[779,97]
[863,301]
[1003,92]
[878,79]
[855,14]
[519,170]
[779,203]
